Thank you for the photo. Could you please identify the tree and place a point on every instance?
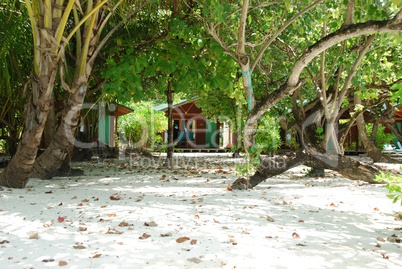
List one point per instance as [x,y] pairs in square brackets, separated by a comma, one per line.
[178,59]
[293,83]
[48,22]
[90,37]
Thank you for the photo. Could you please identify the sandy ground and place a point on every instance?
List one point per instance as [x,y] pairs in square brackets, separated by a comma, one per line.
[135,214]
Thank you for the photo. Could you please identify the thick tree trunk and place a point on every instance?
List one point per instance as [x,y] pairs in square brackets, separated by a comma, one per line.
[18,171]
[62,145]
[313,157]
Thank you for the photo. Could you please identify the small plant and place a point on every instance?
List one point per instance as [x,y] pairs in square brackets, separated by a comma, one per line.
[394,186]
[251,162]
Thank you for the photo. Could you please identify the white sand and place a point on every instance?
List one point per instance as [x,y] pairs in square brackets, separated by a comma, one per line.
[291,221]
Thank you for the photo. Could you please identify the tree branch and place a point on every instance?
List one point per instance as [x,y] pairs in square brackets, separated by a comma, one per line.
[283,28]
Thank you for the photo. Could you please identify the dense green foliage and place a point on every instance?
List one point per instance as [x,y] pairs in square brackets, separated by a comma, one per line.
[16,59]
[268,138]
[381,138]
[143,127]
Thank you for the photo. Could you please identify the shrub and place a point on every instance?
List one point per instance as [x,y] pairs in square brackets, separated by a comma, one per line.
[268,138]
[381,138]
[143,126]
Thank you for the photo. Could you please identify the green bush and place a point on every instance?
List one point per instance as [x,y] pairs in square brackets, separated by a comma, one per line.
[268,138]
[143,126]
[381,138]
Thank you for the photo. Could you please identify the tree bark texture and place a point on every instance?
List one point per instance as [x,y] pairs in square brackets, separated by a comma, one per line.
[371,149]
[313,157]
[62,145]
[18,171]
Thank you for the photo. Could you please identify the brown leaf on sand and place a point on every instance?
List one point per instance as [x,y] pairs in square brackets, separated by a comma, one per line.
[144,236]
[34,235]
[150,224]
[113,231]
[166,234]
[182,239]
[124,224]
[295,235]
[62,263]
[115,197]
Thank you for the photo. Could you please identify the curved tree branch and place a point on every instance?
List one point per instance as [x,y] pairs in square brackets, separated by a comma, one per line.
[294,82]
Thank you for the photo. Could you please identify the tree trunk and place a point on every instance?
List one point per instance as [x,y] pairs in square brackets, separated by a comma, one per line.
[18,171]
[372,151]
[170,147]
[50,128]
[62,145]
[313,157]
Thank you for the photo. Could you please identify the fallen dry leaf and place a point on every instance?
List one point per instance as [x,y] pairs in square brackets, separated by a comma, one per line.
[270,219]
[182,239]
[82,228]
[295,235]
[197,217]
[34,235]
[380,239]
[60,219]
[193,242]
[124,224]
[79,247]
[63,263]
[111,215]
[166,234]
[113,231]
[144,236]
[150,224]
[115,197]
[96,256]
[4,242]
